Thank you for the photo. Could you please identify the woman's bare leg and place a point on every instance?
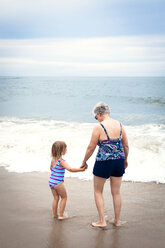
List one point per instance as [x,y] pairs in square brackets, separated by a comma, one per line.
[98,193]
[61,191]
[115,183]
[55,202]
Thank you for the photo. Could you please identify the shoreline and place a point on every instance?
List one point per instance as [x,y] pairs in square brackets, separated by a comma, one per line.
[74,177]
[26,215]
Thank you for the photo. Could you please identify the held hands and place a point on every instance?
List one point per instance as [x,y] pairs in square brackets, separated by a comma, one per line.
[84,166]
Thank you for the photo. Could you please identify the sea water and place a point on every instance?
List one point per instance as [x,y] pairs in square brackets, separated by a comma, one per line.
[35,112]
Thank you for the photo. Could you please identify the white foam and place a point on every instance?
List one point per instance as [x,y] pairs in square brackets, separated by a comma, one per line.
[25,146]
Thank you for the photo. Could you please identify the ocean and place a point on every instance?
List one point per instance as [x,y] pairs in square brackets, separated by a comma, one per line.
[37,111]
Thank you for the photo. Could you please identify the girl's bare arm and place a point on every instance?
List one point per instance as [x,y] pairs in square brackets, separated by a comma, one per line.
[64,164]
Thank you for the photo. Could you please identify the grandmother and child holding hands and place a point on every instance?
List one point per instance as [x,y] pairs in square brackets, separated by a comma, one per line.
[111,162]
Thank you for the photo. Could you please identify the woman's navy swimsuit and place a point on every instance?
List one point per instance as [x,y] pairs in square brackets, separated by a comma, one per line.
[110,157]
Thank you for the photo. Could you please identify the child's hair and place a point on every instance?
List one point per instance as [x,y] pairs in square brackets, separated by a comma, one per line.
[58,148]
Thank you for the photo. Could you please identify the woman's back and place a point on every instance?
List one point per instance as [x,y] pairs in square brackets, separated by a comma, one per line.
[110,145]
[112,127]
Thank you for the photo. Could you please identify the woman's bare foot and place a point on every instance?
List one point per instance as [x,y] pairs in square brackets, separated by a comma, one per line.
[62,217]
[117,223]
[99,224]
[55,216]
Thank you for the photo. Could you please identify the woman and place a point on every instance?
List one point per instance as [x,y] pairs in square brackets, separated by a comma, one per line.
[111,160]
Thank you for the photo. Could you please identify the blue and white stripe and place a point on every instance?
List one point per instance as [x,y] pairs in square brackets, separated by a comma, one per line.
[57,174]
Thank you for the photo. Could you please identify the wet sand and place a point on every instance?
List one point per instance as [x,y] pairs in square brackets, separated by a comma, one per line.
[26,216]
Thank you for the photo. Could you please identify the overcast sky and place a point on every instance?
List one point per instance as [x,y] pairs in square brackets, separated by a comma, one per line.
[82,38]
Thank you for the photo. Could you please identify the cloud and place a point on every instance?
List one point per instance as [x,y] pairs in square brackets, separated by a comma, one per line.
[75,18]
[19,7]
[14,8]
[110,56]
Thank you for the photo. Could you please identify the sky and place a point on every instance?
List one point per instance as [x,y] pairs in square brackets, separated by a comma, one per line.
[82,38]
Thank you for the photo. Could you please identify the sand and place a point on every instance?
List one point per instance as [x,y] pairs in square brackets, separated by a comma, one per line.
[26,217]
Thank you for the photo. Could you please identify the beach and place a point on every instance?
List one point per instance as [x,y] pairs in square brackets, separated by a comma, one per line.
[26,216]
[58,61]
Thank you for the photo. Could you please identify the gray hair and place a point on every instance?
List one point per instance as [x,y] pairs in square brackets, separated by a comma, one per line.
[101,108]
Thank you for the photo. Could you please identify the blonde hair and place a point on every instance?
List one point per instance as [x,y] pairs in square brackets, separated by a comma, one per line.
[58,148]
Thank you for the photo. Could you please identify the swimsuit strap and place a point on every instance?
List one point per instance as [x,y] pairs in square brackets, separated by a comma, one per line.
[59,160]
[120,129]
[105,131]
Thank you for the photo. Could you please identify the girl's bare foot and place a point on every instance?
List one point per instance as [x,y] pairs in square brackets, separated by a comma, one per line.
[55,216]
[99,224]
[62,217]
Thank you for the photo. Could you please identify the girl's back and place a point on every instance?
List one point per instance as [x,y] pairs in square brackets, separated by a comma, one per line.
[57,173]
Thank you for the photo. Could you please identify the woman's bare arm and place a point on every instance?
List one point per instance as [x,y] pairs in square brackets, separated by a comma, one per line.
[92,144]
[125,146]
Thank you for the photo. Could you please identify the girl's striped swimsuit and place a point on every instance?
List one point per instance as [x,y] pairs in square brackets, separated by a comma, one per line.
[57,174]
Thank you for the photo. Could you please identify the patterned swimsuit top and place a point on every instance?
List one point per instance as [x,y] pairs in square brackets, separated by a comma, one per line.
[110,148]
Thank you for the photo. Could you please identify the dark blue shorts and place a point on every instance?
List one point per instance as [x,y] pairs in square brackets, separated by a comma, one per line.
[108,168]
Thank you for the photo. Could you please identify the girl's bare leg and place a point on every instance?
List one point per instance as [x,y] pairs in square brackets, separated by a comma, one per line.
[55,202]
[98,192]
[61,191]
[115,183]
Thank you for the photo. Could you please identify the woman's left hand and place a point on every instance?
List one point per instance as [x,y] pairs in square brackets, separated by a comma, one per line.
[84,164]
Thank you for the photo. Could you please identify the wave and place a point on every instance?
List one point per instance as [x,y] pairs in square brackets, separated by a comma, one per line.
[149,100]
[139,100]
[26,144]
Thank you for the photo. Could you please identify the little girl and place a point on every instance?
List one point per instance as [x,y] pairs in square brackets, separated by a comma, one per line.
[57,167]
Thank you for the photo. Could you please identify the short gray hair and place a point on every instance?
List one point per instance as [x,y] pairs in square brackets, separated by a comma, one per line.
[101,108]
